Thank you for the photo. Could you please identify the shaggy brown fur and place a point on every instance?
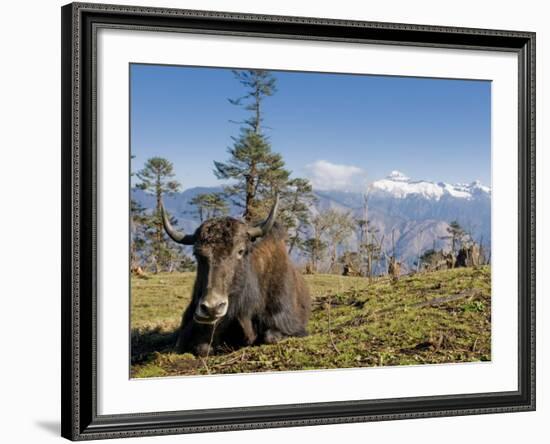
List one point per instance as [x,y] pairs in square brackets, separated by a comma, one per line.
[267,297]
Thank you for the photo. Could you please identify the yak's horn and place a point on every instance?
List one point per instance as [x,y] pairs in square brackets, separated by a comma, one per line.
[180,238]
[263,228]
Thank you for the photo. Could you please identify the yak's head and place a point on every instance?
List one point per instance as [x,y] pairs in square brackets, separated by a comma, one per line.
[220,246]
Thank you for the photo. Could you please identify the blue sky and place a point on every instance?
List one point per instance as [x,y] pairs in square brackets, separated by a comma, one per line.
[338,130]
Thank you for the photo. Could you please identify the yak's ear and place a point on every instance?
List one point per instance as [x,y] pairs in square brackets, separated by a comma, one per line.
[264,228]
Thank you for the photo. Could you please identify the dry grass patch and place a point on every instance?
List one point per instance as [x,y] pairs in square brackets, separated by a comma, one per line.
[438,317]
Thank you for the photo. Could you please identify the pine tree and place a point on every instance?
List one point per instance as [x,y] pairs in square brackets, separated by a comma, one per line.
[137,224]
[257,171]
[314,249]
[209,205]
[295,215]
[339,228]
[157,178]
[314,246]
[362,234]
[329,230]
[370,248]
[457,236]
[140,222]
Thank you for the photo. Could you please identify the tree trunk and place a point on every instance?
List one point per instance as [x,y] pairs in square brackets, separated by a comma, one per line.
[250,194]
[158,224]
[133,259]
[333,258]
[293,241]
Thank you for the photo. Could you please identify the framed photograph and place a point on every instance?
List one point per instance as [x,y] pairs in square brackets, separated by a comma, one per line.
[278,221]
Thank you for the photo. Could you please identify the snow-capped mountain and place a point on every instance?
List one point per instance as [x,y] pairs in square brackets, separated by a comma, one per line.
[397,185]
[418,212]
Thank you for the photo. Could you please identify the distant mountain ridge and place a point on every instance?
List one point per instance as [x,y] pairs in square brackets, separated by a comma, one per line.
[417,211]
[399,186]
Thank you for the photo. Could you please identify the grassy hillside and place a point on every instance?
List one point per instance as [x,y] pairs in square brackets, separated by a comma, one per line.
[437,317]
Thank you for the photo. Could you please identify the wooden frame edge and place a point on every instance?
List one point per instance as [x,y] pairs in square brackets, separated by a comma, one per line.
[78,411]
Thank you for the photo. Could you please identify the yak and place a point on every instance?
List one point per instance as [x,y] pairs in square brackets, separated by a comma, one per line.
[246,290]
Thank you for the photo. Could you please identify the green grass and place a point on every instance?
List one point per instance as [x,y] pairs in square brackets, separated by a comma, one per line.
[428,318]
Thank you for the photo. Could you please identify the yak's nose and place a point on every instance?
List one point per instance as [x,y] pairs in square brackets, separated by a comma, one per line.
[212,309]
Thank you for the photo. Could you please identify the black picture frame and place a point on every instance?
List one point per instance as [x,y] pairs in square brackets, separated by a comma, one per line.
[79,391]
